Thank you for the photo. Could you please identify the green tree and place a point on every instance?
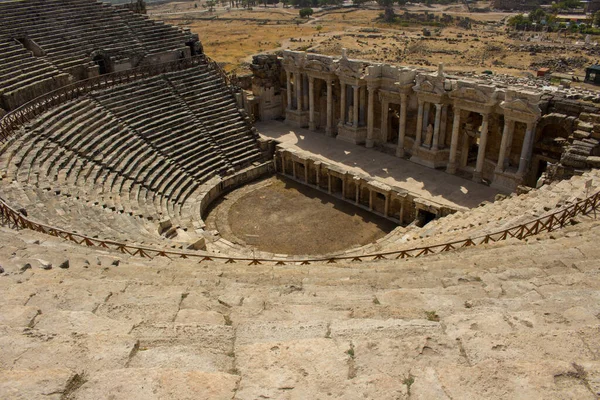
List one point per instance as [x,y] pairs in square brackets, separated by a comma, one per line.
[306,12]
[537,15]
[597,18]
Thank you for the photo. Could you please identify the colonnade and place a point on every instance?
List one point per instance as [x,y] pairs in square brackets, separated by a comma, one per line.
[358,89]
[375,196]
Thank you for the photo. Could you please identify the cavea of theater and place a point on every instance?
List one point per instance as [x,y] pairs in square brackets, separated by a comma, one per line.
[322,227]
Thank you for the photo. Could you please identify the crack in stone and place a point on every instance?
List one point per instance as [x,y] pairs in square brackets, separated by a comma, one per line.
[32,322]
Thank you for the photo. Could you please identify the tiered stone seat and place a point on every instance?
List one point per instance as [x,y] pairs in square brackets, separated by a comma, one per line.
[202,88]
[138,152]
[510,320]
[21,72]
[491,217]
[162,119]
[69,32]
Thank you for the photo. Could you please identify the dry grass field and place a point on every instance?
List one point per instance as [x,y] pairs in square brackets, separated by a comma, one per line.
[232,36]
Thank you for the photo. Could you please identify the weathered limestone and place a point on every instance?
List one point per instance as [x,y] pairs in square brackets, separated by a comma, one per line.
[421,103]
[350,187]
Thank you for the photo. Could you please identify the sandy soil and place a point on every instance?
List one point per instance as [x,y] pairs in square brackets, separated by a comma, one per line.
[232,36]
[282,216]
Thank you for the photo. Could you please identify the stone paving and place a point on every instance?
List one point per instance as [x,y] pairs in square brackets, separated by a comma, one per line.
[510,320]
[423,181]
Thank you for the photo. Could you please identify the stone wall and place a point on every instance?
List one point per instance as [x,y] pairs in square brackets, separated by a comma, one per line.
[486,130]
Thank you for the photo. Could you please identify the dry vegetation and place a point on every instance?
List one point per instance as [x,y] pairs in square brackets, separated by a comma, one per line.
[232,36]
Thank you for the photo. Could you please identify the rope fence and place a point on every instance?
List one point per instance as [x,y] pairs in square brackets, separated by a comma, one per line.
[547,223]
[17,220]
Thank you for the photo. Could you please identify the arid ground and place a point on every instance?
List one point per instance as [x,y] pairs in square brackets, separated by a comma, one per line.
[231,36]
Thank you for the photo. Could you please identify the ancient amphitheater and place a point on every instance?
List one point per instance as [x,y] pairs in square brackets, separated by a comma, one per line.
[439,233]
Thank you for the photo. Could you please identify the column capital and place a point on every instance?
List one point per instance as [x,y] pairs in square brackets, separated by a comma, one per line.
[356,87]
[438,106]
[311,79]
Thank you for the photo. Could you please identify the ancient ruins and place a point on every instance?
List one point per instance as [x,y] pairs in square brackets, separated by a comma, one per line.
[327,227]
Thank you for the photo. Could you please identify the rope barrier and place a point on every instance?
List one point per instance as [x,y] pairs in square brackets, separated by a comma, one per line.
[547,223]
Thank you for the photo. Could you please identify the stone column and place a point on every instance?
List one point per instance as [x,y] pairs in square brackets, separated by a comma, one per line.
[436,127]
[526,150]
[328,183]
[355,106]
[451,168]
[311,103]
[507,132]
[357,194]
[387,205]
[362,102]
[282,164]
[294,169]
[329,128]
[370,116]
[318,173]
[306,172]
[419,128]
[343,186]
[425,124]
[304,92]
[289,89]
[443,124]
[385,119]
[370,200]
[402,128]
[401,216]
[342,103]
[477,174]
[298,84]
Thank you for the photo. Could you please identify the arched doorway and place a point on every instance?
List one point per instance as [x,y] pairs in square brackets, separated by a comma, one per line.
[551,136]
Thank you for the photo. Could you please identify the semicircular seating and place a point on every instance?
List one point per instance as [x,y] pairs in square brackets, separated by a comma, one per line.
[115,162]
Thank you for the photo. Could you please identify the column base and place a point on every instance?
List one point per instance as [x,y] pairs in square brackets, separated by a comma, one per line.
[451,168]
[369,143]
[477,177]
[400,152]
[329,132]
[312,126]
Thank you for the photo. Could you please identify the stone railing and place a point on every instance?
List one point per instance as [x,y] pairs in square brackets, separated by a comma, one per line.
[25,113]
[16,220]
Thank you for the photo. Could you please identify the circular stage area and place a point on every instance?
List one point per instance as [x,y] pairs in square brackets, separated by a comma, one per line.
[281,216]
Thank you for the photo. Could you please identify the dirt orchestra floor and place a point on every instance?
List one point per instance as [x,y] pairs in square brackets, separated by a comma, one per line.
[279,215]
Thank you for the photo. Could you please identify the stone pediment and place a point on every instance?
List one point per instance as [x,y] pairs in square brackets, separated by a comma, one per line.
[521,106]
[316,65]
[349,69]
[429,84]
[522,102]
[482,94]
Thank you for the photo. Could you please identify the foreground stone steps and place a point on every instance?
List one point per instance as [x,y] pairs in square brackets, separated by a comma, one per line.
[487,322]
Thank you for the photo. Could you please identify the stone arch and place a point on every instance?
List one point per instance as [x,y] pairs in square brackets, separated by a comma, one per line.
[554,126]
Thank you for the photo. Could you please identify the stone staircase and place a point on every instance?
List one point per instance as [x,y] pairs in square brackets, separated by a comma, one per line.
[508,320]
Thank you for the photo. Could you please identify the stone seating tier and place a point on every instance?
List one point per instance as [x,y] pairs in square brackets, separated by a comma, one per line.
[138,152]
[507,320]
[68,34]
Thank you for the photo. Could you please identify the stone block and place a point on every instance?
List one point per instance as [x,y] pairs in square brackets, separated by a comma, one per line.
[198,244]
[164,226]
